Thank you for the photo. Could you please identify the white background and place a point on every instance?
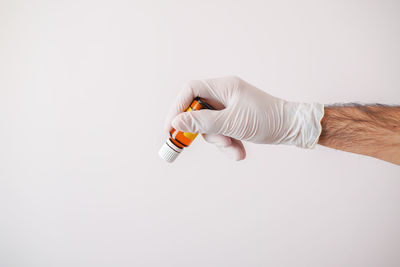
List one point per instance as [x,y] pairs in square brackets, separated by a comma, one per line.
[84,89]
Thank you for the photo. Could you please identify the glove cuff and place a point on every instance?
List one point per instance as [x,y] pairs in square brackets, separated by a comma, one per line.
[309,118]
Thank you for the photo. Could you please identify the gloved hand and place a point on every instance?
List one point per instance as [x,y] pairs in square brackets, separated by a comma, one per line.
[244,113]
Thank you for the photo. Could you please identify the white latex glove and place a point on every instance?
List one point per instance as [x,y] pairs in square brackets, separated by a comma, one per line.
[244,113]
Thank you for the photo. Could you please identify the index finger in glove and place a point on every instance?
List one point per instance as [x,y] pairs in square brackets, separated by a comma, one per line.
[196,88]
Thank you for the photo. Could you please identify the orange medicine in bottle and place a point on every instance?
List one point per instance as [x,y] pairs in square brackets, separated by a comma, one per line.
[179,140]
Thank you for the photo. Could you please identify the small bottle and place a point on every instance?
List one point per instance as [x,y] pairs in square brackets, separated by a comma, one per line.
[179,140]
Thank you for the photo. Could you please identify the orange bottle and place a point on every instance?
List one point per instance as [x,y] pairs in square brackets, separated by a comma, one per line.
[179,140]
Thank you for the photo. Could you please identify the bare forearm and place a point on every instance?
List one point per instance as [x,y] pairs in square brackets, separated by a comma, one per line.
[372,130]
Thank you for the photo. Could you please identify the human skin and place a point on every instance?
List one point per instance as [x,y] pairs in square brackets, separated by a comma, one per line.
[371,130]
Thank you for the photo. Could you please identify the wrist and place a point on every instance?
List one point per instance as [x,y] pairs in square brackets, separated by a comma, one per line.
[305,128]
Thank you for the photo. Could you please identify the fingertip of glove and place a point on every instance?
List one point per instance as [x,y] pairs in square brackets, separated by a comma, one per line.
[233,152]
[241,156]
[175,123]
[167,126]
[238,157]
[178,122]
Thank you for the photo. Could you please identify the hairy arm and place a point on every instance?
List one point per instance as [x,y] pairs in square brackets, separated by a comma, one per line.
[372,130]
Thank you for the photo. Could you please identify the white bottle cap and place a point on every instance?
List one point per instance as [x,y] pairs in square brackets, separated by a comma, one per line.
[169,151]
